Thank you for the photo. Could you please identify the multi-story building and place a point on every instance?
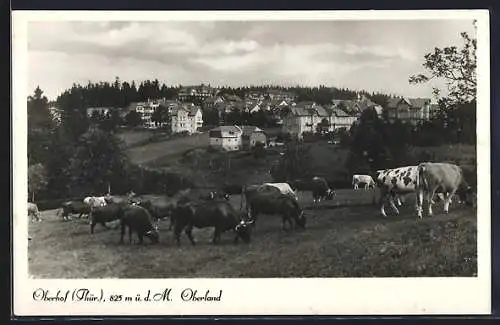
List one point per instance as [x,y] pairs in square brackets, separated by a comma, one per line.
[186,117]
[409,110]
[234,137]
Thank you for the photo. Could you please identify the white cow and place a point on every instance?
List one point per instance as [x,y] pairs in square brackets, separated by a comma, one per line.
[284,188]
[95,201]
[362,179]
[33,212]
[445,177]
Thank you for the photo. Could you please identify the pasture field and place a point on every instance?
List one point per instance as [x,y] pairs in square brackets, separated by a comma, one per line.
[167,148]
[345,237]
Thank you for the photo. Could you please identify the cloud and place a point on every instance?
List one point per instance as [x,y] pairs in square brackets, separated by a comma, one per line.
[366,54]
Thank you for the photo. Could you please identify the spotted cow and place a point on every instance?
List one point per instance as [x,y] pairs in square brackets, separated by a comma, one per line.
[395,182]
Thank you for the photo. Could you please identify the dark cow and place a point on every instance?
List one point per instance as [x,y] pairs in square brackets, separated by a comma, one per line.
[443,177]
[220,215]
[107,213]
[138,220]
[273,188]
[70,207]
[130,198]
[190,195]
[321,190]
[160,207]
[276,203]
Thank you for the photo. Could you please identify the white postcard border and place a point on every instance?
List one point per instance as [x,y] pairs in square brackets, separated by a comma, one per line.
[315,296]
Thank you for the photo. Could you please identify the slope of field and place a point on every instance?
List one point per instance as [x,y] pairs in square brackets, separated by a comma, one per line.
[171,148]
[345,237]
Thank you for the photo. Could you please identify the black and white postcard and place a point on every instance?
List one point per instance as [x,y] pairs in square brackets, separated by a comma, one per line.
[239,163]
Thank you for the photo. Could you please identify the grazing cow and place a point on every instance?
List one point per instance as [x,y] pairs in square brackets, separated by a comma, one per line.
[395,182]
[107,213]
[33,212]
[195,195]
[284,188]
[362,179]
[321,190]
[446,177]
[218,214]
[250,190]
[160,208]
[130,198]
[138,220]
[71,207]
[276,203]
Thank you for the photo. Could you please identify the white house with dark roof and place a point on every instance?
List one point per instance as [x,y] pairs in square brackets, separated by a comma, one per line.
[341,119]
[226,137]
[234,137]
[409,110]
[187,117]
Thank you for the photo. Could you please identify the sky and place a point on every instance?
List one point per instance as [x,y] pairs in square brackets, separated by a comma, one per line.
[360,55]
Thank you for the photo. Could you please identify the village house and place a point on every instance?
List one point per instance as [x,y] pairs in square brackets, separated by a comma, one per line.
[211,102]
[303,117]
[186,118]
[340,119]
[145,110]
[409,110]
[233,137]
[251,135]
[225,137]
[194,93]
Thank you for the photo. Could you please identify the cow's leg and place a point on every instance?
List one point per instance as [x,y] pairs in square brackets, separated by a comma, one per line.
[122,232]
[447,200]
[177,234]
[92,226]
[419,202]
[398,200]
[130,235]
[429,197]
[189,234]
[391,203]
[140,236]
[383,198]
[216,237]
[355,187]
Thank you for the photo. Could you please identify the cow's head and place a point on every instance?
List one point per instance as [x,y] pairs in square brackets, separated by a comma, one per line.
[330,194]
[153,235]
[466,194]
[243,229]
[226,196]
[301,219]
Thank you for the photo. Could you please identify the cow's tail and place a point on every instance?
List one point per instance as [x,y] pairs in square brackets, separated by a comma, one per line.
[59,211]
[420,177]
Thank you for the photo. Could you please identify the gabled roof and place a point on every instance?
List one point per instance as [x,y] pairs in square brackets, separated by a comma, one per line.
[338,112]
[249,129]
[416,103]
[225,131]
[191,109]
[308,110]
